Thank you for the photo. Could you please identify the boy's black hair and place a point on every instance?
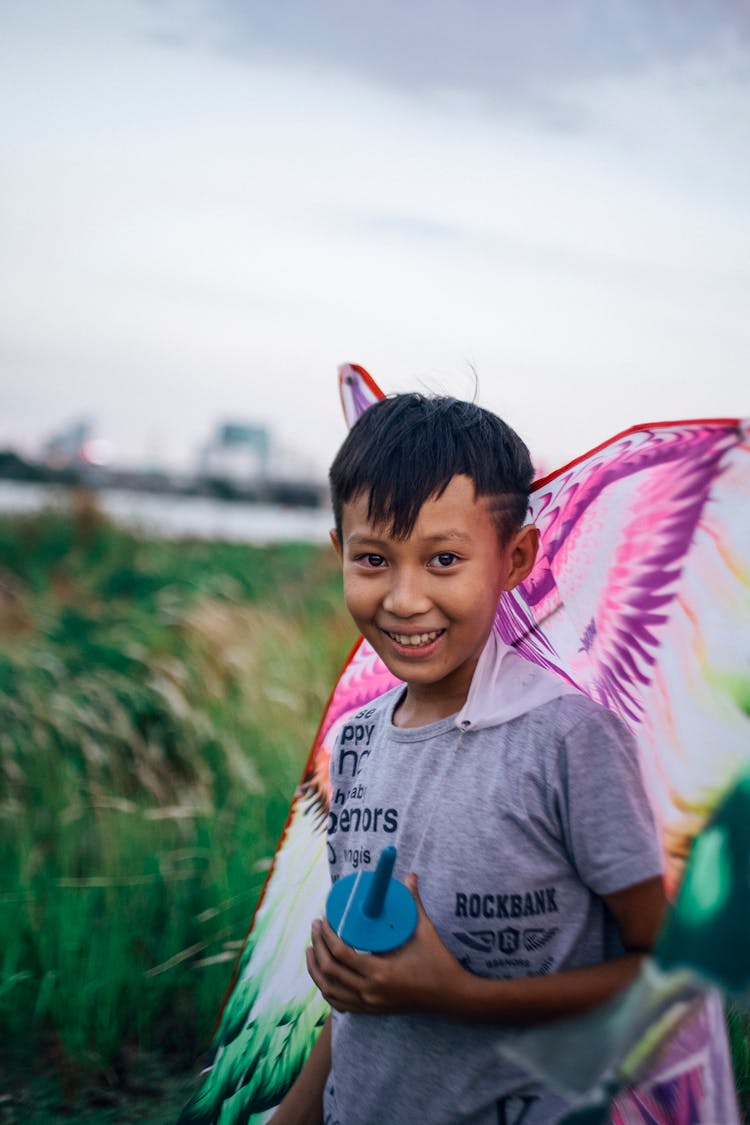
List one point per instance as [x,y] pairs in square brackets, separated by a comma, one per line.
[406,449]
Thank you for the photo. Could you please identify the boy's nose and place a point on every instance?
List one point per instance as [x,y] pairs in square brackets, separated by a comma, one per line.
[405,597]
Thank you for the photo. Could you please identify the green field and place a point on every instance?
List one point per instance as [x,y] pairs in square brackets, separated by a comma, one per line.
[157,703]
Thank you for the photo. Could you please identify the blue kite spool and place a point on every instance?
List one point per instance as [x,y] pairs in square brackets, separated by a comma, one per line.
[378,912]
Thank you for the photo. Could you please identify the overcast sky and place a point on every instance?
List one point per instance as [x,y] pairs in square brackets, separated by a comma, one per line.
[206,206]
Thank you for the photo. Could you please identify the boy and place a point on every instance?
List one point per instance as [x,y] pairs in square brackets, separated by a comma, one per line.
[516,800]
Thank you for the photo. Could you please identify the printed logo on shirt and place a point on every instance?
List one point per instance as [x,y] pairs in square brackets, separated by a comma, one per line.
[483,941]
[514,1109]
[356,793]
[536,939]
[329,1118]
[363,820]
[353,749]
[520,905]
[508,940]
[356,857]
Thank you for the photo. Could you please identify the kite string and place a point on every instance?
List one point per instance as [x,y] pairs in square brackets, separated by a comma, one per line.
[347,908]
[450,759]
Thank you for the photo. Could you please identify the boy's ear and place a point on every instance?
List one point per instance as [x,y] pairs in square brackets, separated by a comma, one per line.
[522,552]
[336,543]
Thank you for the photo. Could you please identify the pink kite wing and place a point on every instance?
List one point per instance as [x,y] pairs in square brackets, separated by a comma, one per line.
[657,479]
[358,390]
[640,597]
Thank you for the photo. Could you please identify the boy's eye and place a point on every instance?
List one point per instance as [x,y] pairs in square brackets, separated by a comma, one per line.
[371,560]
[443,560]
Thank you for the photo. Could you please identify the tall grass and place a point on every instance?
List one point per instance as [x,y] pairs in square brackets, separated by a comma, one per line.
[157,701]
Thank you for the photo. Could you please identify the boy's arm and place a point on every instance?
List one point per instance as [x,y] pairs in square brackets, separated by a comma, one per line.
[424,976]
[638,911]
[303,1105]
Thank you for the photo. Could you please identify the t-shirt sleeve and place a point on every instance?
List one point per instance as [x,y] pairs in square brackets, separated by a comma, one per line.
[607,823]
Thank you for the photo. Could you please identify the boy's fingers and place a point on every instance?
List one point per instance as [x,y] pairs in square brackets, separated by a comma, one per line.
[342,952]
[339,994]
[327,961]
[412,882]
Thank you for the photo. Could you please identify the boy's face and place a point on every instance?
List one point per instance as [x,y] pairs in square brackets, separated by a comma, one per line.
[427,603]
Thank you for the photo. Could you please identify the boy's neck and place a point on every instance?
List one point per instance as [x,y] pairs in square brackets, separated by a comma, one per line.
[419,706]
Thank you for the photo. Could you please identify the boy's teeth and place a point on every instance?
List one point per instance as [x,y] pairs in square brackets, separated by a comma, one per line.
[415,639]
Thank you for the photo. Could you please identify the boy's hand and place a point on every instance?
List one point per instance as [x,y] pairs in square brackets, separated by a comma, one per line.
[418,977]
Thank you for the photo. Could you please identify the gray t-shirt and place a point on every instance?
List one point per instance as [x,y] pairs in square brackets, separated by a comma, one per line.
[515,831]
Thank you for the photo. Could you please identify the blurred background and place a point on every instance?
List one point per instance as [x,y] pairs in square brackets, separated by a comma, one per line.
[205,206]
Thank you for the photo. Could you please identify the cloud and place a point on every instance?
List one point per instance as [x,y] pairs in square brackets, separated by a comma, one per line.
[503,54]
[616,267]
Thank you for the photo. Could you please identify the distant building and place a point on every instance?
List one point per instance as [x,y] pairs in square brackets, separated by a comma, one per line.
[238,453]
[65,449]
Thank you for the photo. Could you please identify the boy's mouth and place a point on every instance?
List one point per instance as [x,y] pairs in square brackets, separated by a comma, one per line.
[414,640]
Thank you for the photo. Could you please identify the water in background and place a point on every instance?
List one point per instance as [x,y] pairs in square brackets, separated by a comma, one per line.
[175,516]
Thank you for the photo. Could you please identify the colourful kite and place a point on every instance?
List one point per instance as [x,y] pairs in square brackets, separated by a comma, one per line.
[640,597]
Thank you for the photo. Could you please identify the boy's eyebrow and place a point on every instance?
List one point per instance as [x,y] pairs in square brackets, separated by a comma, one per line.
[440,537]
[357,537]
[450,534]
